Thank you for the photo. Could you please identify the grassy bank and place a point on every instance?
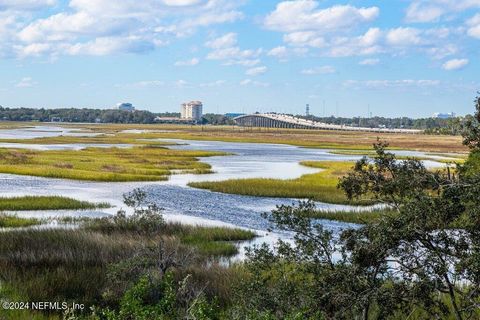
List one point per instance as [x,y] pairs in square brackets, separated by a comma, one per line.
[8,221]
[321,186]
[46,203]
[90,264]
[449,158]
[146,163]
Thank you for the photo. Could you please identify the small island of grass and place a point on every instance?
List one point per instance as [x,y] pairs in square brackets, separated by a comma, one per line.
[25,203]
[7,221]
[321,186]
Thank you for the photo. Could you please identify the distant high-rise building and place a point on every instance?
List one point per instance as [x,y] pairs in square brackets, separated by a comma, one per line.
[307,110]
[444,115]
[192,110]
[125,106]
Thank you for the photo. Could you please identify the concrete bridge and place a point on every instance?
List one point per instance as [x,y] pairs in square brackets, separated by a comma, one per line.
[274,120]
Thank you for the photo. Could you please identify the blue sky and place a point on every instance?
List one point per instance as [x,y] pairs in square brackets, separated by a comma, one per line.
[345,58]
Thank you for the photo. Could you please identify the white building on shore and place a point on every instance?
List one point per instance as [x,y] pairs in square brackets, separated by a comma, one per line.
[192,110]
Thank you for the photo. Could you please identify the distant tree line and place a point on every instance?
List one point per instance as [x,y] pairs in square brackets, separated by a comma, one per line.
[98,115]
[451,126]
[217,119]
[76,115]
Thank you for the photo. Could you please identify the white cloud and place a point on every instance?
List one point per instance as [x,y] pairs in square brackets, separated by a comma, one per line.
[242,62]
[376,84]
[111,45]
[225,48]
[403,37]
[180,3]
[369,62]
[279,52]
[142,26]
[217,83]
[319,70]
[423,11]
[256,71]
[455,64]
[290,16]
[187,63]
[226,41]
[26,82]
[304,38]
[246,82]
[25,4]
[474,26]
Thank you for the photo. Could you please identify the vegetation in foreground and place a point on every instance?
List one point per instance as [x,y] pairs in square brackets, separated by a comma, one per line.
[9,221]
[321,186]
[112,264]
[145,163]
[24,203]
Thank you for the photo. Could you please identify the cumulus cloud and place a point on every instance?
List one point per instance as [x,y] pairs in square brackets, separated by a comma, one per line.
[187,63]
[474,26]
[25,4]
[141,26]
[256,71]
[455,64]
[226,41]
[422,11]
[225,48]
[403,37]
[279,52]
[300,15]
[319,70]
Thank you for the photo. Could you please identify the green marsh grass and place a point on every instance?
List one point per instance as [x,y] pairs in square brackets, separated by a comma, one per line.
[9,221]
[142,163]
[325,139]
[321,186]
[46,203]
[73,265]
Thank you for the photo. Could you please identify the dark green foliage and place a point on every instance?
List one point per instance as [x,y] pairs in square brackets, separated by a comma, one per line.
[452,126]
[76,115]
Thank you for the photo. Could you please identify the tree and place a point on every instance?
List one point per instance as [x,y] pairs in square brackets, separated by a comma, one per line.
[425,256]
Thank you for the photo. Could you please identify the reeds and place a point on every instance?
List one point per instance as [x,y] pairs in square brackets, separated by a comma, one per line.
[46,203]
[321,186]
[103,164]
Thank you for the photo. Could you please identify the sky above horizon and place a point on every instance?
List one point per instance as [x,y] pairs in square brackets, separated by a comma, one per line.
[346,58]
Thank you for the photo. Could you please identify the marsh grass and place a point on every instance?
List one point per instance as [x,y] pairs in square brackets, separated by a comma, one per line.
[210,241]
[8,221]
[325,139]
[72,265]
[46,203]
[449,157]
[321,186]
[141,163]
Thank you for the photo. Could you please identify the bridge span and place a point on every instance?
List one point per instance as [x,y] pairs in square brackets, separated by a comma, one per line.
[274,120]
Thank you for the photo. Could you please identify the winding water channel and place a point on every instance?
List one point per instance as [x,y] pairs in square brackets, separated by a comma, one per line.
[183,203]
